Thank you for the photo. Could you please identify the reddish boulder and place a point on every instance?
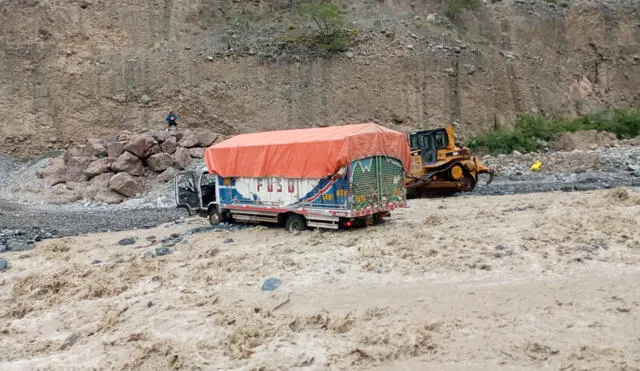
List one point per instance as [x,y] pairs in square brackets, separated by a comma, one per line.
[77,151]
[96,148]
[76,167]
[108,197]
[124,136]
[167,175]
[160,162]
[142,145]
[56,172]
[189,139]
[115,149]
[101,180]
[196,152]
[182,158]
[197,138]
[169,146]
[125,185]
[206,137]
[128,163]
[75,186]
[98,167]
[161,136]
[90,192]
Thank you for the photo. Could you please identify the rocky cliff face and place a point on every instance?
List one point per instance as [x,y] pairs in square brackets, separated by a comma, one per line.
[75,69]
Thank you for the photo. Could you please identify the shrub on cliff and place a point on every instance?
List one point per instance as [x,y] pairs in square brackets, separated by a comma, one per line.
[453,7]
[528,131]
[329,32]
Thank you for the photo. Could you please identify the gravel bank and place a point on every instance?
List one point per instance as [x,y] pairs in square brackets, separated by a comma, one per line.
[38,221]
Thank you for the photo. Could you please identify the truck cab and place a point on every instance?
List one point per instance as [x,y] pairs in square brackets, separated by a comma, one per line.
[198,194]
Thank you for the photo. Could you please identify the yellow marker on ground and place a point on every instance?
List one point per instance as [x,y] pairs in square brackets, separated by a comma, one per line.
[536,166]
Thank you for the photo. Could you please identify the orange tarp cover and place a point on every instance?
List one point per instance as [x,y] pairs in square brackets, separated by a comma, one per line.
[304,153]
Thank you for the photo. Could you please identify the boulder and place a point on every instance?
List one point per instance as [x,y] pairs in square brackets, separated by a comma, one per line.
[128,163]
[90,192]
[189,139]
[182,158]
[161,136]
[56,172]
[64,195]
[196,152]
[222,137]
[142,145]
[16,245]
[108,197]
[124,136]
[96,148]
[125,185]
[169,146]
[206,137]
[76,167]
[101,180]
[160,162]
[197,138]
[98,167]
[167,175]
[75,186]
[115,149]
[76,151]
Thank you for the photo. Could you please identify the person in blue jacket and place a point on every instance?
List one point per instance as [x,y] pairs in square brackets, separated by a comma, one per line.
[171,120]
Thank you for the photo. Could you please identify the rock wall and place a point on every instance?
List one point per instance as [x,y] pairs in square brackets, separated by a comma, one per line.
[78,69]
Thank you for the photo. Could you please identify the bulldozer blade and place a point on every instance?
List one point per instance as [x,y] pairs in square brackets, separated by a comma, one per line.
[491,173]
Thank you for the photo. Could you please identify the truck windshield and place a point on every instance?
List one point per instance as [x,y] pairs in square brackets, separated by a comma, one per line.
[207,179]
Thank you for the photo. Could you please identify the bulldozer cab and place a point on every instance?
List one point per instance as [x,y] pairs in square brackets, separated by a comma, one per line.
[429,142]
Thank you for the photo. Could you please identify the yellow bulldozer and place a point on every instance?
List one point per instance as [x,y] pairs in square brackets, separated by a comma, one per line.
[440,166]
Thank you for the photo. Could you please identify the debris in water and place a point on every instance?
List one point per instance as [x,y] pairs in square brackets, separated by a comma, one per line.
[162,250]
[271,284]
[126,241]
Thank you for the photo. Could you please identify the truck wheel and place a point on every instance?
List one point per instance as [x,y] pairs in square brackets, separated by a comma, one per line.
[214,217]
[295,223]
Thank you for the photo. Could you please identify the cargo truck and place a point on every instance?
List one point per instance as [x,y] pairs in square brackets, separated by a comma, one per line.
[332,177]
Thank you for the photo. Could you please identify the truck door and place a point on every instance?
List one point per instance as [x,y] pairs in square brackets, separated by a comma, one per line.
[187,194]
[208,189]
